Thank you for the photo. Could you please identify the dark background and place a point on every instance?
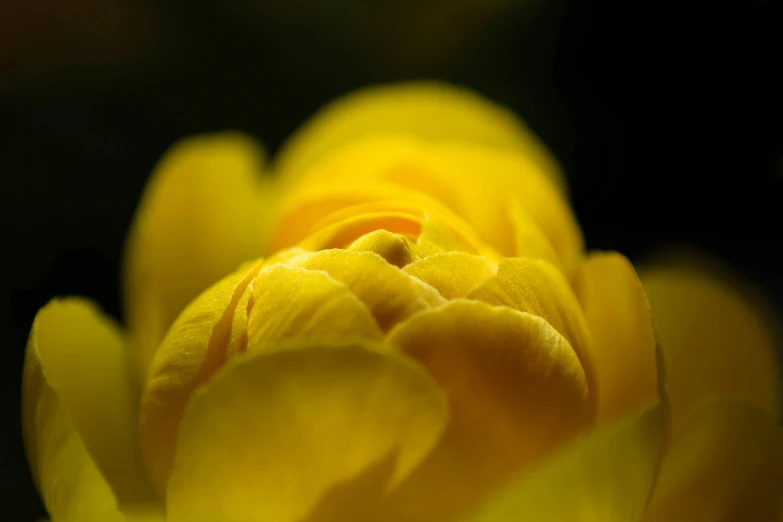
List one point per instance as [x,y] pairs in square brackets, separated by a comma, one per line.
[666,121]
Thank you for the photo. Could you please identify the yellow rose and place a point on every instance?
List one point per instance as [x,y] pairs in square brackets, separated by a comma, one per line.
[425,340]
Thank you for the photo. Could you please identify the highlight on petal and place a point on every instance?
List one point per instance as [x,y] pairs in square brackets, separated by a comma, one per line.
[515,387]
[205,209]
[427,110]
[717,337]
[624,345]
[273,432]
[80,402]
[605,475]
[724,463]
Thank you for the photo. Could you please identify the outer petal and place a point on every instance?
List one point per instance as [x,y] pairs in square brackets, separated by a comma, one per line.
[188,353]
[624,346]
[715,341]
[80,412]
[516,388]
[724,464]
[429,110]
[321,415]
[204,211]
[605,476]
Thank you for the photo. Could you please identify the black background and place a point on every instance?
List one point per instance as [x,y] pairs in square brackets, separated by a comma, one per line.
[667,121]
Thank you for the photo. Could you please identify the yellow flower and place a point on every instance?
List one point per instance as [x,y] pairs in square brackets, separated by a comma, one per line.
[425,340]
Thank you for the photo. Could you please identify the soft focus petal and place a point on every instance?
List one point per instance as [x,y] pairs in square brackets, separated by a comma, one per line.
[624,345]
[428,110]
[80,413]
[491,183]
[512,206]
[724,464]
[185,357]
[204,211]
[538,288]
[716,341]
[321,415]
[605,476]
[515,387]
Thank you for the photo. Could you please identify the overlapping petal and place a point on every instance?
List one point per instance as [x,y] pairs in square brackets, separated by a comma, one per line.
[206,209]
[606,475]
[717,340]
[512,206]
[321,415]
[80,413]
[725,463]
[624,345]
[515,387]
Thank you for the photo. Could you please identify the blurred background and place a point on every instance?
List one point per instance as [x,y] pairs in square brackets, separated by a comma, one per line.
[668,123]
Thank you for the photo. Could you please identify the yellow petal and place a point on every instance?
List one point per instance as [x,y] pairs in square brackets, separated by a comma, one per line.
[204,211]
[453,274]
[272,432]
[492,182]
[624,346]
[516,388]
[715,340]
[530,239]
[345,232]
[440,235]
[429,110]
[537,287]
[396,249]
[295,303]
[479,184]
[388,292]
[80,412]
[724,464]
[190,350]
[604,476]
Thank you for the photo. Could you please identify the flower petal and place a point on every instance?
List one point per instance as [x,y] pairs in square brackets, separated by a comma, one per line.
[725,463]
[537,287]
[516,389]
[453,274]
[480,185]
[80,413]
[190,350]
[715,341]
[387,291]
[396,249]
[204,211]
[624,345]
[606,475]
[295,303]
[272,432]
[428,110]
